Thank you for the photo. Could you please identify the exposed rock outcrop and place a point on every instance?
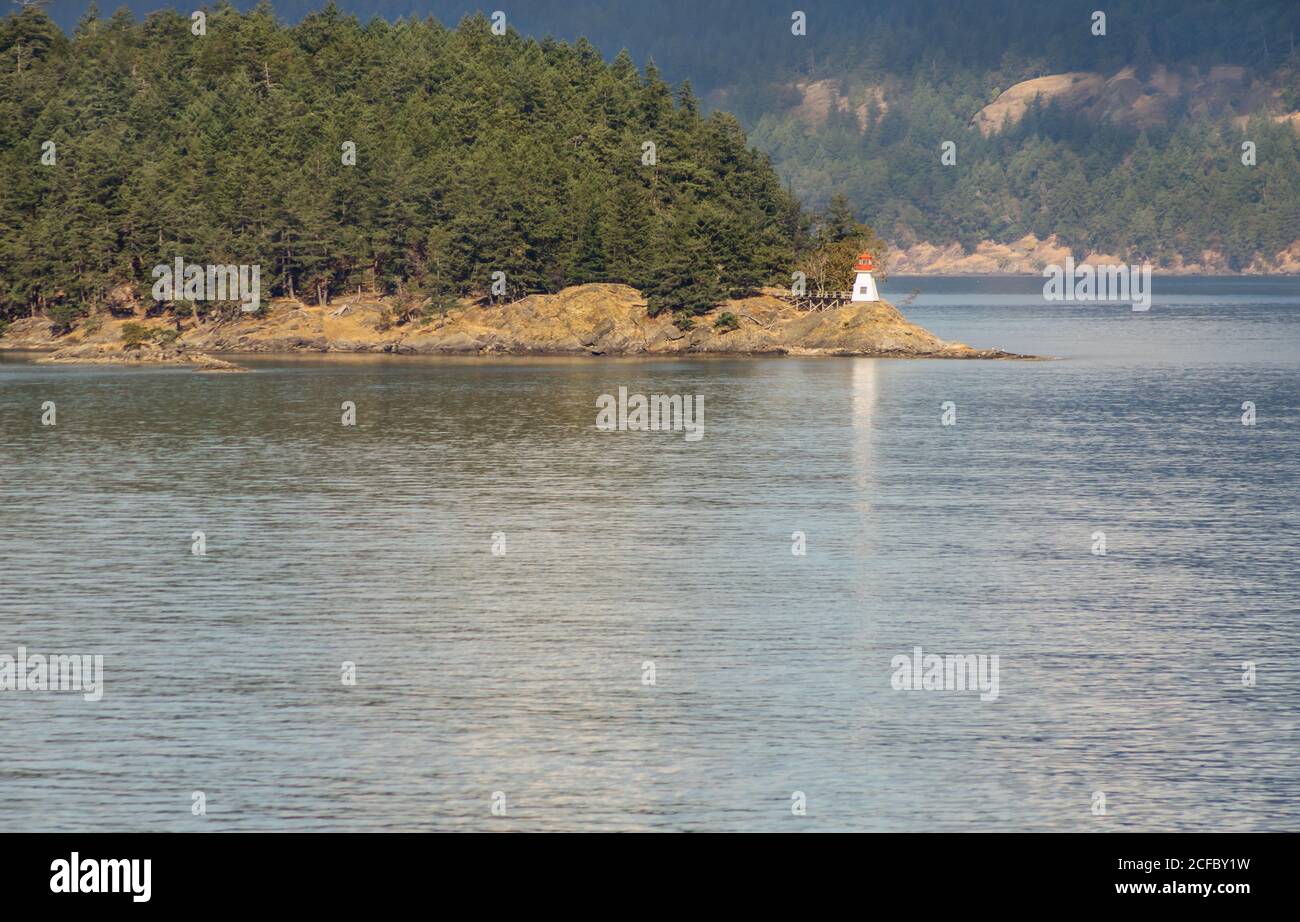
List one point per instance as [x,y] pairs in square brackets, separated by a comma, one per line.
[116,353]
[821,97]
[1029,255]
[1126,99]
[596,319]
[111,353]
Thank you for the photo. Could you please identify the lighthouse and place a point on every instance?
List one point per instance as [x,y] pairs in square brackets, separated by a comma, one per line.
[864,286]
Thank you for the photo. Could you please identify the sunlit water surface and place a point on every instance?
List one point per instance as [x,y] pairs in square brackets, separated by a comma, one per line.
[523,673]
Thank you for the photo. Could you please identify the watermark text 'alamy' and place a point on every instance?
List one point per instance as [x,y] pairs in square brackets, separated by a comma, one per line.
[1099,283]
[194,282]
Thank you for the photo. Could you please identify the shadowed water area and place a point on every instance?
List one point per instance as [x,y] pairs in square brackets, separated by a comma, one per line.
[522,673]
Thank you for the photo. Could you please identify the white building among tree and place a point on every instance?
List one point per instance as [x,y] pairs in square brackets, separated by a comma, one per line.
[864,286]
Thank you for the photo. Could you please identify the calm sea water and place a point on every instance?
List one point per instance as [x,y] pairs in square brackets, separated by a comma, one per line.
[523,673]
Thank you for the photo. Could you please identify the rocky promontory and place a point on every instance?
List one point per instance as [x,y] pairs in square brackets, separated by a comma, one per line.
[110,353]
[594,319]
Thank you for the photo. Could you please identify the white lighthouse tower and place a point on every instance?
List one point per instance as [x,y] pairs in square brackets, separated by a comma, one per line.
[864,286]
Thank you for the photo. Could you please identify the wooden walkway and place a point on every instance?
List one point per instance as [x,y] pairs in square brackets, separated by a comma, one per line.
[826,301]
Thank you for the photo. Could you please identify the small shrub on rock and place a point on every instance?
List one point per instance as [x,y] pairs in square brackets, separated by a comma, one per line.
[726,322]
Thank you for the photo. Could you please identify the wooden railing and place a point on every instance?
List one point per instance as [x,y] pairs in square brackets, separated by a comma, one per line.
[823,301]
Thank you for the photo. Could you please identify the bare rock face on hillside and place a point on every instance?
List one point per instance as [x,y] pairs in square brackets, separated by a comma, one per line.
[596,319]
[819,98]
[1135,102]
[1071,91]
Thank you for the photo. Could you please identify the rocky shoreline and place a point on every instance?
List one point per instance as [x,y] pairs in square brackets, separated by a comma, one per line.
[1030,255]
[96,353]
[595,319]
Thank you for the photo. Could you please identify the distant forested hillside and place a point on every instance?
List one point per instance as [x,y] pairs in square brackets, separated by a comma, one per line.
[1144,162]
[475,154]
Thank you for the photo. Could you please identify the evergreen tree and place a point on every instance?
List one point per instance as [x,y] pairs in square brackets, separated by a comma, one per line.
[475,154]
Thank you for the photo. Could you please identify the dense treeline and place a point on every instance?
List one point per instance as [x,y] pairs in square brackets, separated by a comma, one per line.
[1175,191]
[475,153]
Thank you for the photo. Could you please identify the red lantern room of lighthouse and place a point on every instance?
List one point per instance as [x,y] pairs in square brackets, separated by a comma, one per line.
[864,286]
